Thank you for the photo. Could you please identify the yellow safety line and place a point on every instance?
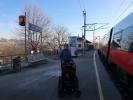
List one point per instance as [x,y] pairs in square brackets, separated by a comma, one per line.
[98,79]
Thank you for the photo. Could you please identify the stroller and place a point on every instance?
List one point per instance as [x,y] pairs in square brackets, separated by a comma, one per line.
[68,81]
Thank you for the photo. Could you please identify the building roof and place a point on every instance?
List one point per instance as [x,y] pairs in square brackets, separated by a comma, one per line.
[80,38]
[88,41]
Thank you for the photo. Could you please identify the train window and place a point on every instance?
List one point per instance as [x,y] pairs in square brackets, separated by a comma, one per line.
[116,43]
[127,38]
[131,47]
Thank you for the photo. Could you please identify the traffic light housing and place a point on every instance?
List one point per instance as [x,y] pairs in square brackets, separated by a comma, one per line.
[22,20]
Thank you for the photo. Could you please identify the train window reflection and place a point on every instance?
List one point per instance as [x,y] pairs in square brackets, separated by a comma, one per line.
[131,47]
[116,43]
[127,38]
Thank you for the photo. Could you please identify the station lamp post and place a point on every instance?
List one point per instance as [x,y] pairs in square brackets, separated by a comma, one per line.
[22,22]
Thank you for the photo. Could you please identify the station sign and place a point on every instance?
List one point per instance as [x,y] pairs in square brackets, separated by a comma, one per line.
[34,28]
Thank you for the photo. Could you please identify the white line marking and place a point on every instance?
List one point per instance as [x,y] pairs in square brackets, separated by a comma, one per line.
[98,79]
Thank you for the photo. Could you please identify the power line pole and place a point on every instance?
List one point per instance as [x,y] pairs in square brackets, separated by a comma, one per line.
[94,35]
[94,28]
[84,37]
[25,39]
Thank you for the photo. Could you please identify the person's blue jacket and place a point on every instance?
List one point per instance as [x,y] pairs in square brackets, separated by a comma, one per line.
[65,55]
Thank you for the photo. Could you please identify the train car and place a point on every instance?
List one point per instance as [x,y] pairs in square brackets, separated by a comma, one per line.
[73,45]
[117,49]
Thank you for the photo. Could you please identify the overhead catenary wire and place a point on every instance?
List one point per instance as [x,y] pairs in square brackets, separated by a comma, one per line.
[116,12]
[82,10]
[122,2]
[84,4]
[80,5]
[119,7]
[123,12]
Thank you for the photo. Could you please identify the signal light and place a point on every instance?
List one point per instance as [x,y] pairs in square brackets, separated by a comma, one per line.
[22,20]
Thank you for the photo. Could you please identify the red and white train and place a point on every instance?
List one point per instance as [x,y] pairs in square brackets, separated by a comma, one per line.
[117,48]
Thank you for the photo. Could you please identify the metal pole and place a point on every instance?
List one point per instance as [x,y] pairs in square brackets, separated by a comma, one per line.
[84,14]
[33,38]
[28,51]
[28,42]
[41,42]
[25,40]
[94,37]
[82,41]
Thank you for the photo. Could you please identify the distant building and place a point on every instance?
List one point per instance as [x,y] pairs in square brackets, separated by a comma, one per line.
[81,43]
[78,44]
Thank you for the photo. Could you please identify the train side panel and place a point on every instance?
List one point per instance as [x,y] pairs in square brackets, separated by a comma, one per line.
[122,38]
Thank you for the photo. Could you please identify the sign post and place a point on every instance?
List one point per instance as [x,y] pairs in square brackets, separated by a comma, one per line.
[22,22]
[36,28]
[25,40]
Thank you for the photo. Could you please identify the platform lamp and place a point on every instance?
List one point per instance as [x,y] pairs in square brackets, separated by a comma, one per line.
[22,22]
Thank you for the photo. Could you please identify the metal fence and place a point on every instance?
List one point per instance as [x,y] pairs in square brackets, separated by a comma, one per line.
[7,61]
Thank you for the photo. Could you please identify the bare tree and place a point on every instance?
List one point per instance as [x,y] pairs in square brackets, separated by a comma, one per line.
[60,36]
[52,37]
[35,16]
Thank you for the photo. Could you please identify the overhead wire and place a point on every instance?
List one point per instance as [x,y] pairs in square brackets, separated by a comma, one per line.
[122,3]
[117,11]
[80,5]
[84,6]
[123,12]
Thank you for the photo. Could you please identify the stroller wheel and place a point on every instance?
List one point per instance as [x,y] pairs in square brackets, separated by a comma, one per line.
[78,93]
[60,94]
[60,88]
[59,83]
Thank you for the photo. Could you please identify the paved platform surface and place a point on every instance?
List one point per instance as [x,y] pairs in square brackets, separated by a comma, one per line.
[40,82]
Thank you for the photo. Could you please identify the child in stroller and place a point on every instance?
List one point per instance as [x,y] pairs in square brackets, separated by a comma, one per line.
[68,81]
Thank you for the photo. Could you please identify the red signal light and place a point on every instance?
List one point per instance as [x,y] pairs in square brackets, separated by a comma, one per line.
[22,20]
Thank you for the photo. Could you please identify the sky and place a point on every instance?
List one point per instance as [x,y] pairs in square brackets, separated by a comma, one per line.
[68,13]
